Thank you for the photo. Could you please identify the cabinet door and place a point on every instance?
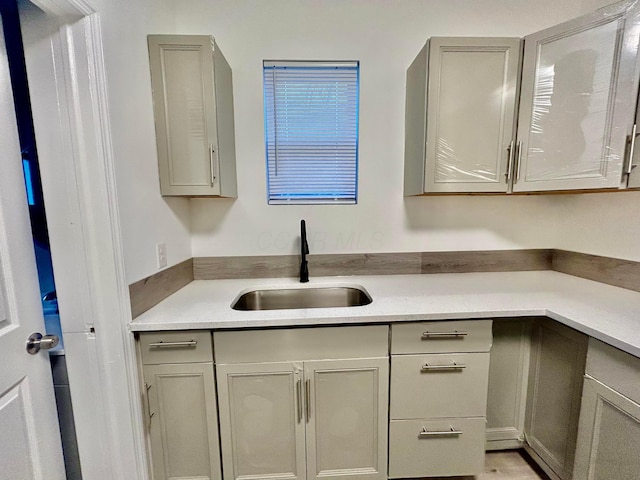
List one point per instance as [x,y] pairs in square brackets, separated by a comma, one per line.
[182,77]
[508,374]
[577,103]
[558,356]
[261,421]
[471,113]
[347,418]
[182,421]
[609,435]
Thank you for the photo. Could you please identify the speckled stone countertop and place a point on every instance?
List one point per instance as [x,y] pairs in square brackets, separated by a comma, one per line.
[610,314]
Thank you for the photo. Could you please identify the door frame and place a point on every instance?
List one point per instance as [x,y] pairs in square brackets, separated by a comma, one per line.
[63,43]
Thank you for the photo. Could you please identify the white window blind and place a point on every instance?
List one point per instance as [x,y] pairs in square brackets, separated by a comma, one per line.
[311,127]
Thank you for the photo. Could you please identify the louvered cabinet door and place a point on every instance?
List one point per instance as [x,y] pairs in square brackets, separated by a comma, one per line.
[347,420]
[261,421]
[182,420]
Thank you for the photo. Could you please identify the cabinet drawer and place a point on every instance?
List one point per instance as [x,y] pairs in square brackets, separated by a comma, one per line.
[615,368]
[176,347]
[440,385]
[441,337]
[446,447]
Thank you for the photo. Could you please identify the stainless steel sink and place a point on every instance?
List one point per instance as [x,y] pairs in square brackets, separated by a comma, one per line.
[286,298]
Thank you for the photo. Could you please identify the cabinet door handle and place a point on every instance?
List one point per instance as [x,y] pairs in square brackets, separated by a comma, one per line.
[518,161]
[511,150]
[307,395]
[161,344]
[431,335]
[212,162]
[150,414]
[299,398]
[632,146]
[439,433]
[455,366]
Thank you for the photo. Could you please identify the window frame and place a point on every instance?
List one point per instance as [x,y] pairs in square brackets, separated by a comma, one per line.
[345,160]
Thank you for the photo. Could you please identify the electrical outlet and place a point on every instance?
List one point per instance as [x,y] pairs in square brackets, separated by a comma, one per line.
[161,250]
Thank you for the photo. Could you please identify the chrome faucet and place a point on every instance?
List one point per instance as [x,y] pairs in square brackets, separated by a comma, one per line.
[304,251]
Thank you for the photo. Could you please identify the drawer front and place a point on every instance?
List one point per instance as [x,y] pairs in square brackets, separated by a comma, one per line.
[615,368]
[288,344]
[440,385]
[193,346]
[441,337]
[426,448]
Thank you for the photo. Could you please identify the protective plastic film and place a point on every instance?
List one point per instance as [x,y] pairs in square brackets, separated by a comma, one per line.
[450,166]
[573,106]
[471,101]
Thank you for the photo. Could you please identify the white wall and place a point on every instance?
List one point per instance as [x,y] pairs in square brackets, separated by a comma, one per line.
[146,217]
[601,224]
[385,36]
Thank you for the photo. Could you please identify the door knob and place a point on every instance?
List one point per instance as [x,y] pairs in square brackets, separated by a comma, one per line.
[37,342]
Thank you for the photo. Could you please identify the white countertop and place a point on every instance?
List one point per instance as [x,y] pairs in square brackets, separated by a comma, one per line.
[610,314]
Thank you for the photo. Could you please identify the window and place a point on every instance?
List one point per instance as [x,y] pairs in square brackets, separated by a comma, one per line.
[311,130]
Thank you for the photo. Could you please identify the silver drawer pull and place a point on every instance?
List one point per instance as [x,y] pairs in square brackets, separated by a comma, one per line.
[440,433]
[456,333]
[455,366]
[189,343]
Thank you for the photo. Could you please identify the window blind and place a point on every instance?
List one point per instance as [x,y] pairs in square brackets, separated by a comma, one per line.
[311,130]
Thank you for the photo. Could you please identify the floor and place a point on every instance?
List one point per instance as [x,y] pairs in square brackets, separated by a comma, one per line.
[507,465]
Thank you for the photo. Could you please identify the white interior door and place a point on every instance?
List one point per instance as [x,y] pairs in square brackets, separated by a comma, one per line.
[30,447]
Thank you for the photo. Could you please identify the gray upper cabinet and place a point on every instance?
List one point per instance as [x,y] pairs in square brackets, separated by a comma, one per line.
[575,108]
[578,101]
[193,108]
[460,112]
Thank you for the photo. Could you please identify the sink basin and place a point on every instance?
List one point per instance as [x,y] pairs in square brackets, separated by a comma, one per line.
[287,298]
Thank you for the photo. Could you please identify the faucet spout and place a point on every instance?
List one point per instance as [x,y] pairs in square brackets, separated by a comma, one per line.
[304,251]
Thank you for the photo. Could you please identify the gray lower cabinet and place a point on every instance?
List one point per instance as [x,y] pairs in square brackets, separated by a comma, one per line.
[180,406]
[438,401]
[558,356]
[609,435]
[508,377]
[328,402]
[303,418]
